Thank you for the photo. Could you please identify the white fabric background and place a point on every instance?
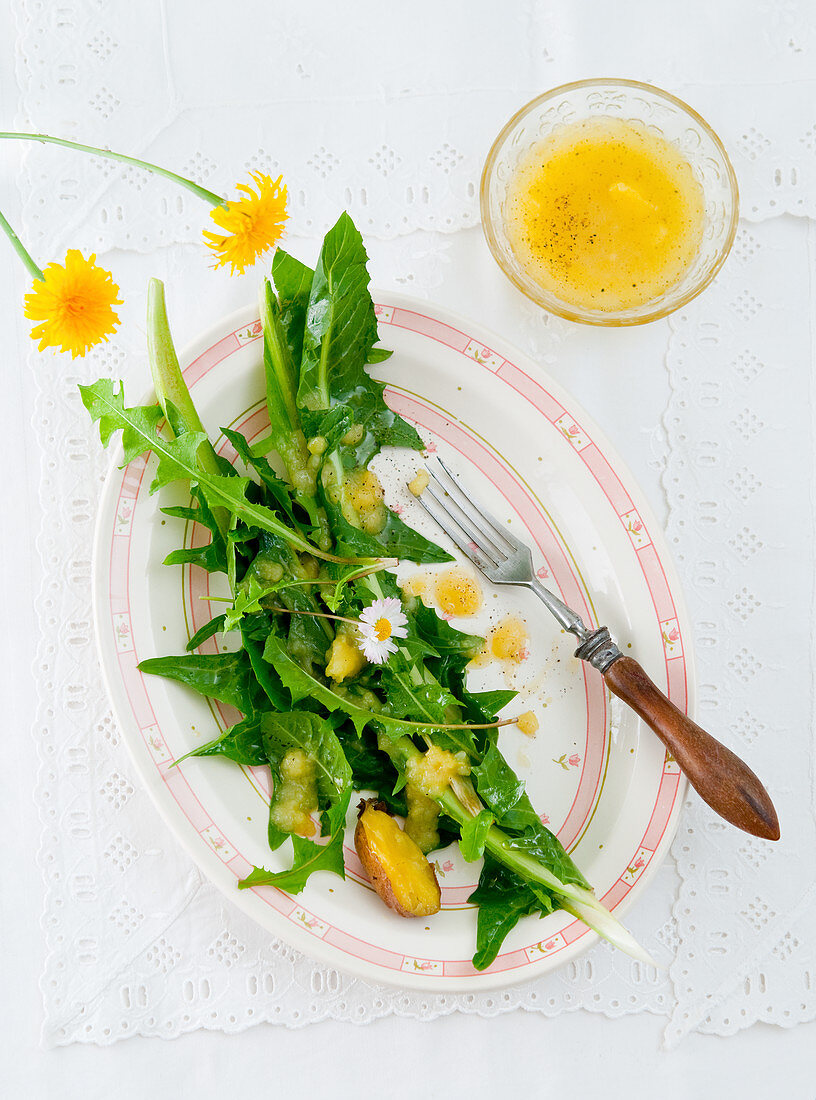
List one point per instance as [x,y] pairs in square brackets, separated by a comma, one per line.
[391,127]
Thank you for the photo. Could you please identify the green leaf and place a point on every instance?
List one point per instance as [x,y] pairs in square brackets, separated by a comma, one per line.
[264,673]
[396,540]
[247,601]
[205,557]
[277,489]
[316,737]
[140,433]
[503,899]
[381,427]
[303,685]
[489,703]
[308,637]
[213,555]
[444,638]
[371,769]
[341,327]
[295,611]
[331,424]
[227,677]
[474,834]
[340,334]
[424,702]
[231,493]
[293,284]
[454,650]
[538,841]
[177,460]
[309,857]
[345,597]
[189,513]
[242,743]
[214,626]
[281,371]
[502,790]
[107,408]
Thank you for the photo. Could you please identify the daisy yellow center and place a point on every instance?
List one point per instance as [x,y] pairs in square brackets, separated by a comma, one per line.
[382,628]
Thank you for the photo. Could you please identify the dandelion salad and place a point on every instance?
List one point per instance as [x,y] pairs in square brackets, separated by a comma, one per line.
[346,684]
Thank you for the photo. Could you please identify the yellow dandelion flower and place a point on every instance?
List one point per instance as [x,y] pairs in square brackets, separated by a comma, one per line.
[74,303]
[251,224]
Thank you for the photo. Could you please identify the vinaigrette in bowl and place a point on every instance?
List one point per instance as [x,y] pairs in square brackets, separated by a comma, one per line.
[605,214]
[609,202]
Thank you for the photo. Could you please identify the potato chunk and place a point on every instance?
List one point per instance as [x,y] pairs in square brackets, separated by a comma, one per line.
[344,659]
[419,483]
[527,723]
[398,870]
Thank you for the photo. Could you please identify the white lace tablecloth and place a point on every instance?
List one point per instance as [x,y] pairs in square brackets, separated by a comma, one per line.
[393,122]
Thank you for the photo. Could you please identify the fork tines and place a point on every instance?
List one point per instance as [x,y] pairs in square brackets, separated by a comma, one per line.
[467,524]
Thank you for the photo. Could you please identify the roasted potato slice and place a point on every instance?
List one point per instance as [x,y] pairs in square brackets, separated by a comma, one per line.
[398,870]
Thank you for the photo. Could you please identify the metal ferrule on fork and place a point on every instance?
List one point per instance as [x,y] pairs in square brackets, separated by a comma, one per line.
[599,650]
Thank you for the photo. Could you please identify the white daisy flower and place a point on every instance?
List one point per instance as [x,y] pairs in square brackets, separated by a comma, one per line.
[380,623]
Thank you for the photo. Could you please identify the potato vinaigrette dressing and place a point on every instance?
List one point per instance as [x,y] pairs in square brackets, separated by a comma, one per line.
[605,215]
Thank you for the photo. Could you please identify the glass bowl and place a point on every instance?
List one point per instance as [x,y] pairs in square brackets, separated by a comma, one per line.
[630,101]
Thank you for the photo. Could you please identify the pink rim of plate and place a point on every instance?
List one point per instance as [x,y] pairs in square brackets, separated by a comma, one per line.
[128,486]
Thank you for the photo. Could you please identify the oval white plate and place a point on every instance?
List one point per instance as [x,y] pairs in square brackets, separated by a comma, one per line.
[597,774]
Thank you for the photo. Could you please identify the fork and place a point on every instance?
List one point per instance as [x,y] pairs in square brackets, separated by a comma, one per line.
[721,779]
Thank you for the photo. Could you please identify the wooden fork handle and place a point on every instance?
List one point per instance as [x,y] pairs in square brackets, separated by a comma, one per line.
[717,774]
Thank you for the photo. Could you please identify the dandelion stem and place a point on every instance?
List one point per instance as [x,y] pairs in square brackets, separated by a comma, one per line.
[312,614]
[454,725]
[197,189]
[20,249]
[386,563]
